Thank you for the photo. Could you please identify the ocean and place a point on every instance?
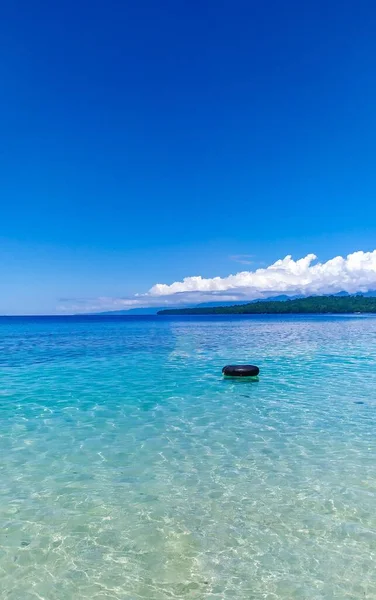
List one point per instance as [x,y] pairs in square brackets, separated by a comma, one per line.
[130,469]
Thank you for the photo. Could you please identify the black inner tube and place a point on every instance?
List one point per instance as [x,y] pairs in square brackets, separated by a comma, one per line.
[241,370]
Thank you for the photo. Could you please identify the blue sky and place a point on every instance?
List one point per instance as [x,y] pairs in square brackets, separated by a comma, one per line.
[146,142]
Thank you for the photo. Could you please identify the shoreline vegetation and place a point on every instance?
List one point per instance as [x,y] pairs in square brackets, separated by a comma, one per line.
[310,305]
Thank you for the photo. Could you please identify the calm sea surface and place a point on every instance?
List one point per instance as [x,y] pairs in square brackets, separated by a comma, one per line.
[129,469]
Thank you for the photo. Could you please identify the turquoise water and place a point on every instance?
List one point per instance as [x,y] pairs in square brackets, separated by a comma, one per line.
[130,469]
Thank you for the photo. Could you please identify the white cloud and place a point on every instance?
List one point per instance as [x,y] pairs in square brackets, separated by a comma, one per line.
[354,273]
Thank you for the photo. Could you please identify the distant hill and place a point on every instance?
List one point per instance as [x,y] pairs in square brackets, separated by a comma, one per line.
[338,304]
[154,310]
[149,310]
[371,294]
[133,311]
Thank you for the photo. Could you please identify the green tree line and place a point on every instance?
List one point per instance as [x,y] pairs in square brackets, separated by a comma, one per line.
[310,305]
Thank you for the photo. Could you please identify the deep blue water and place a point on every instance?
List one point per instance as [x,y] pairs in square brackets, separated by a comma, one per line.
[131,469]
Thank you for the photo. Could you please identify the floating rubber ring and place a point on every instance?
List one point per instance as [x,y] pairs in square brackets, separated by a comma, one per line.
[240,371]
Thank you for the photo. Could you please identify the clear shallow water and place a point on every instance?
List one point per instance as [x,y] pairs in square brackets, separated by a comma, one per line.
[131,470]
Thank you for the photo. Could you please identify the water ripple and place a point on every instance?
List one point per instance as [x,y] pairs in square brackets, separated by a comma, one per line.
[131,470]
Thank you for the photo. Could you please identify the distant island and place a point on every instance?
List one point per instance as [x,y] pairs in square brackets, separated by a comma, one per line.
[310,305]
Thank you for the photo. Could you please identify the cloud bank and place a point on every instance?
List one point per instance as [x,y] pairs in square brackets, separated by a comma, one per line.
[356,272]
[353,273]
